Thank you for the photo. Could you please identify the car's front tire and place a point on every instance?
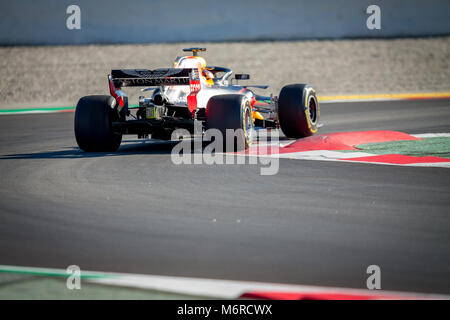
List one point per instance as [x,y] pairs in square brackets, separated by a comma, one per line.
[231,111]
[298,110]
[93,124]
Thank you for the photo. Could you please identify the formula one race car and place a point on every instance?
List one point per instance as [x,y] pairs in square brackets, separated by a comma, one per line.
[186,95]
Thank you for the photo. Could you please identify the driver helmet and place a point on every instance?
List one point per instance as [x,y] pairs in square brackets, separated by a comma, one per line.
[208,75]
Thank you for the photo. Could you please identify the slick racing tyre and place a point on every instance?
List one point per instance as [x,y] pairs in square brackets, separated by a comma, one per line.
[93,129]
[298,110]
[231,111]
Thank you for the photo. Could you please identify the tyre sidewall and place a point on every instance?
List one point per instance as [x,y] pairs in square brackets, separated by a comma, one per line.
[93,124]
[229,112]
[294,112]
[310,94]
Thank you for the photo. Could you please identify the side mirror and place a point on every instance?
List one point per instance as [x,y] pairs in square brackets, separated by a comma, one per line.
[242,76]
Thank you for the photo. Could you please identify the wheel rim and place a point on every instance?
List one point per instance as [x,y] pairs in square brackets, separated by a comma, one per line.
[248,124]
[312,110]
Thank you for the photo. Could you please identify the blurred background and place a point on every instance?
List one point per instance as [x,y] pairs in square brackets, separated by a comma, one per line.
[324,43]
[135,21]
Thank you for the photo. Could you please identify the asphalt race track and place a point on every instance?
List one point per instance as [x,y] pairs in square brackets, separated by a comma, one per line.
[315,222]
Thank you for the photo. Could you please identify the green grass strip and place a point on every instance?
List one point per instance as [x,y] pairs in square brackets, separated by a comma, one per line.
[48,272]
[437,146]
[48,109]
[36,109]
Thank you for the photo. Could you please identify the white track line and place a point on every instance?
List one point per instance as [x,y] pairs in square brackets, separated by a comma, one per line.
[231,289]
[431,135]
[430,164]
[324,155]
[361,100]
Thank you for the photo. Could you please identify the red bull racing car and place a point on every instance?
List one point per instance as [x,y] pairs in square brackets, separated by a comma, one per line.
[191,93]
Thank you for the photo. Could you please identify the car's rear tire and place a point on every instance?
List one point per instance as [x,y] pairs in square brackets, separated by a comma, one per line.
[231,111]
[93,129]
[298,110]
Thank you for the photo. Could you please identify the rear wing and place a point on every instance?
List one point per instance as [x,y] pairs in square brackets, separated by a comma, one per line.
[150,78]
